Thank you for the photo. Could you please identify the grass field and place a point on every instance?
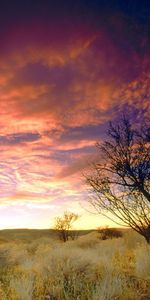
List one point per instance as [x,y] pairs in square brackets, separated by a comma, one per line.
[35,265]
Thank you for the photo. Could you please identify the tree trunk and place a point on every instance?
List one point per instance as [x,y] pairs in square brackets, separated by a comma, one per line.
[146,194]
[147,238]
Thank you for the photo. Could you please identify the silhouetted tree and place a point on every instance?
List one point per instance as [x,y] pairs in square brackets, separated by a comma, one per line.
[120,181]
[64,225]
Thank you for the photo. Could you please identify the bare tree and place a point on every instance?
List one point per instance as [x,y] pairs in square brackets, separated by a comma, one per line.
[64,225]
[120,181]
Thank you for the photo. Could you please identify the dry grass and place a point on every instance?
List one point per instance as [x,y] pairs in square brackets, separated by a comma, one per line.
[84,269]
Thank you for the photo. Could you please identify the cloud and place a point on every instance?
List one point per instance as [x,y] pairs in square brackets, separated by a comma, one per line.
[12,139]
[60,84]
[70,82]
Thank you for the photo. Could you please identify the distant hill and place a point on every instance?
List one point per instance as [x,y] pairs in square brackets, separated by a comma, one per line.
[27,235]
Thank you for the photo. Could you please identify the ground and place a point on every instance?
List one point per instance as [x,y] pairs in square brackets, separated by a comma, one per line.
[35,265]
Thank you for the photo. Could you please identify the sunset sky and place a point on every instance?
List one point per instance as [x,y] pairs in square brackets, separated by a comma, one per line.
[66,69]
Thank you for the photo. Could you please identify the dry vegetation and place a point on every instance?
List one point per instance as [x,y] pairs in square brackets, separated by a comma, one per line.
[85,269]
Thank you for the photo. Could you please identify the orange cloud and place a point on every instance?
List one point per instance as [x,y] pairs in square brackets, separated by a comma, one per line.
[52,93]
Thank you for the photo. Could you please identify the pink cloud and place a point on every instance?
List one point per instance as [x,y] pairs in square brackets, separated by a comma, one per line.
[89,78]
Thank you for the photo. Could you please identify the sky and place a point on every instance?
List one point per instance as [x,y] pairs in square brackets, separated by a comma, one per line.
[67,68]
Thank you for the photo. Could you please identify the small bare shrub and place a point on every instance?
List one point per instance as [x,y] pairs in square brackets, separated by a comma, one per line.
[109,233]
[63,225]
